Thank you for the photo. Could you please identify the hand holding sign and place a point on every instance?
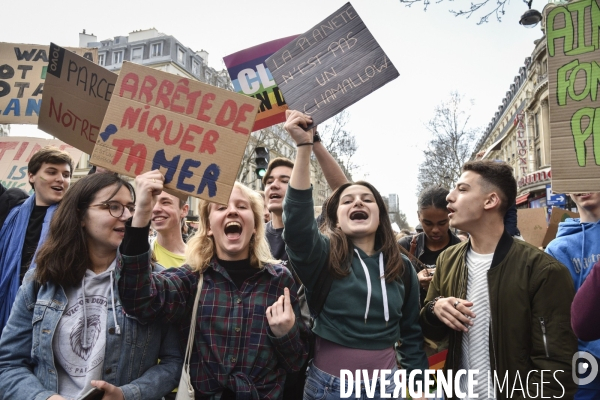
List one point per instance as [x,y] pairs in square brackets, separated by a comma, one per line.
[148,186]
[296,124]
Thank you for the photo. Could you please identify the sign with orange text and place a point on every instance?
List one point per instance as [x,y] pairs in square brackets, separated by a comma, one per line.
[573,74]
[331,66]
[76,96]
[194,133]
[15,153]
[22,73]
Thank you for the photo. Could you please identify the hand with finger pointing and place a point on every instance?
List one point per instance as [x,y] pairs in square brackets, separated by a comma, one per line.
[281,315]
[455,313]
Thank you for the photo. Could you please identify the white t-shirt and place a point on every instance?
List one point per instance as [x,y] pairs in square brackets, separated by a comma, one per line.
[79,342]
[475,343]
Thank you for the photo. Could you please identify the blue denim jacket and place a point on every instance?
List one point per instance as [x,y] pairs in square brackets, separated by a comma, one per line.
[27,369]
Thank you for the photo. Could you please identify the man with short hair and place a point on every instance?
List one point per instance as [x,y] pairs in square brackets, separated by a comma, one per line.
[503,303]
[26,224]
[577,246]
[167,216]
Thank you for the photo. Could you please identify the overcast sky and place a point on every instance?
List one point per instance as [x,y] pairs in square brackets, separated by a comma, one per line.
[434,52]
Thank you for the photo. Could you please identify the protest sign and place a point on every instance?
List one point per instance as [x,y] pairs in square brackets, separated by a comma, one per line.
[331,66]
[15,153]
[250,76]
[194,133]
[532,225]
[557,216]
[573,75]
[76,96]
[22,74]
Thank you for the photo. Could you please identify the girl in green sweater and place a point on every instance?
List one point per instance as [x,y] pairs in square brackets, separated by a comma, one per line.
[364,313]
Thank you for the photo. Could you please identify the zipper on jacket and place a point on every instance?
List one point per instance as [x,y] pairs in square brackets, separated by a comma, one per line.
[543,325]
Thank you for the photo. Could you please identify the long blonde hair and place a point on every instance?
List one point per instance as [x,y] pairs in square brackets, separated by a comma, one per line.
[201,248]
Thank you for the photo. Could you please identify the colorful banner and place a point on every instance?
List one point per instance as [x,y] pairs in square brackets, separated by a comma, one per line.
[195,133]
[331,66]
[251,76]
[573,75]
[76,95]
[22,73]
[15,153]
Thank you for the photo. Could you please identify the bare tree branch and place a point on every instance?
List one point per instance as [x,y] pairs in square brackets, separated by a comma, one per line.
[339,142]
[489,7]
[451,145]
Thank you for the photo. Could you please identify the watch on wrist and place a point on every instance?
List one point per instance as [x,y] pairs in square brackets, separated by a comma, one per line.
[316,137]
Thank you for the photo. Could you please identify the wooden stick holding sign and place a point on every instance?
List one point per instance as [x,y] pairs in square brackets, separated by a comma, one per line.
[194,133]
[331,66]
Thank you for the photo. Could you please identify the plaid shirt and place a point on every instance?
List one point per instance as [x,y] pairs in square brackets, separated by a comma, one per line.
[234,346]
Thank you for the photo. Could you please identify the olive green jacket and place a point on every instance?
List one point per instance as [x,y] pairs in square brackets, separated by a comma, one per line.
[530,328]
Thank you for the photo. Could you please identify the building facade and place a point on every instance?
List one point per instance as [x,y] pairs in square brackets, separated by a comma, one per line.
[4,130]
[519,133]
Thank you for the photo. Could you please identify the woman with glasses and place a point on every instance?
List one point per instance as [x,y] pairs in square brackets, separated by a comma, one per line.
[67,332]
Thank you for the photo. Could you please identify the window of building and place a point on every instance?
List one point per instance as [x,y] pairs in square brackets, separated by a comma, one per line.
[101,59]
[538,158]
[180,55]
[136,54]
[156,49]
[537,125]
[195,68]
[117,57]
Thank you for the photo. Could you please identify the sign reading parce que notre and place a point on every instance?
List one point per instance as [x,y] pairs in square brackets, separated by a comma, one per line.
[331,66]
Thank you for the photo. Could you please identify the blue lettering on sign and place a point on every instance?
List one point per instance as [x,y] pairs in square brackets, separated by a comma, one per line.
[186,173]
[160,160]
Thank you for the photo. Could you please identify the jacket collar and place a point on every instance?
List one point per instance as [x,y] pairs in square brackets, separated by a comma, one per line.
[502,249]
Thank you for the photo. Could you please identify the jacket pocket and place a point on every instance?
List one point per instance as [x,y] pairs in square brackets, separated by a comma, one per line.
[39,311]
[543,335]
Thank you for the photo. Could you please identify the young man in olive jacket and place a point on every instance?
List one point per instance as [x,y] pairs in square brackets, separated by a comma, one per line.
[504,304]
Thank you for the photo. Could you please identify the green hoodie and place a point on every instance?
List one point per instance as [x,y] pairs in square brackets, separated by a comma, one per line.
[342,319]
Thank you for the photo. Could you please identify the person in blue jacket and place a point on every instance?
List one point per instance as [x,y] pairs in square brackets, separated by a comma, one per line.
[577,246]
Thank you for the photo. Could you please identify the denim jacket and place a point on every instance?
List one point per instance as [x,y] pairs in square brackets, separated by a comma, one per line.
[27,367]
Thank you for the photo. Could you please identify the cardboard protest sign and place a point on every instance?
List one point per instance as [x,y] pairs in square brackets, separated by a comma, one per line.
[194,133]
[331,66]
[15,153]
[573,74]
[251,76]
[22,73]
[532,224]
[557,216]
[76,96]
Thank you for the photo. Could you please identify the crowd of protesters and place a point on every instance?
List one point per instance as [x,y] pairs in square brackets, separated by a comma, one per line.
[281,302]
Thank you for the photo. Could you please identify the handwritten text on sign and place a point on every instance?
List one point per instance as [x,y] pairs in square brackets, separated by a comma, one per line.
[76,96]
[574,73]
[194,133]
[15,153]
[22,73]
[332,66]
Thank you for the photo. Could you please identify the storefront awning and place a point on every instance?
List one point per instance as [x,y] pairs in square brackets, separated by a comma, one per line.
[522,198]
[495,146]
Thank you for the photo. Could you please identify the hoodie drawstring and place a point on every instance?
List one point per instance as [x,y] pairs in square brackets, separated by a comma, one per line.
[112,296]
[85,326]
[383,287]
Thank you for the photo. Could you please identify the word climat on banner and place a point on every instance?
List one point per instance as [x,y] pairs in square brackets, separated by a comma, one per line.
[331,66]
[251,76]
[23,70]
[574,73]
[194,133]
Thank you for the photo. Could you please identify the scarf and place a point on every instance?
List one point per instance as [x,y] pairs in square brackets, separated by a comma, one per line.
[12,238]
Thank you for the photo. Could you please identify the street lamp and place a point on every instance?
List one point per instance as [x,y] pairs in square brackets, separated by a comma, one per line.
[531,17]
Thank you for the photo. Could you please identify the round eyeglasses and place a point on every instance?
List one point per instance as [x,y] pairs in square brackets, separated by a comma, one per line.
[115,208]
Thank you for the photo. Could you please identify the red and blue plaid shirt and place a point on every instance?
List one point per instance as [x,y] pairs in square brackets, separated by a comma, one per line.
[233,345]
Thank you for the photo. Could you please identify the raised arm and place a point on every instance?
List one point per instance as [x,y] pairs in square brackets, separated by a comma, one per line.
[294,124]
[331,169]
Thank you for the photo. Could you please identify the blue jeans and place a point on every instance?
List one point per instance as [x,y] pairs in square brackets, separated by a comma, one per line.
[322,386]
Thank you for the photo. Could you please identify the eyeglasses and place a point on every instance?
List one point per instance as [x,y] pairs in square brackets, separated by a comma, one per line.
[115,208]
